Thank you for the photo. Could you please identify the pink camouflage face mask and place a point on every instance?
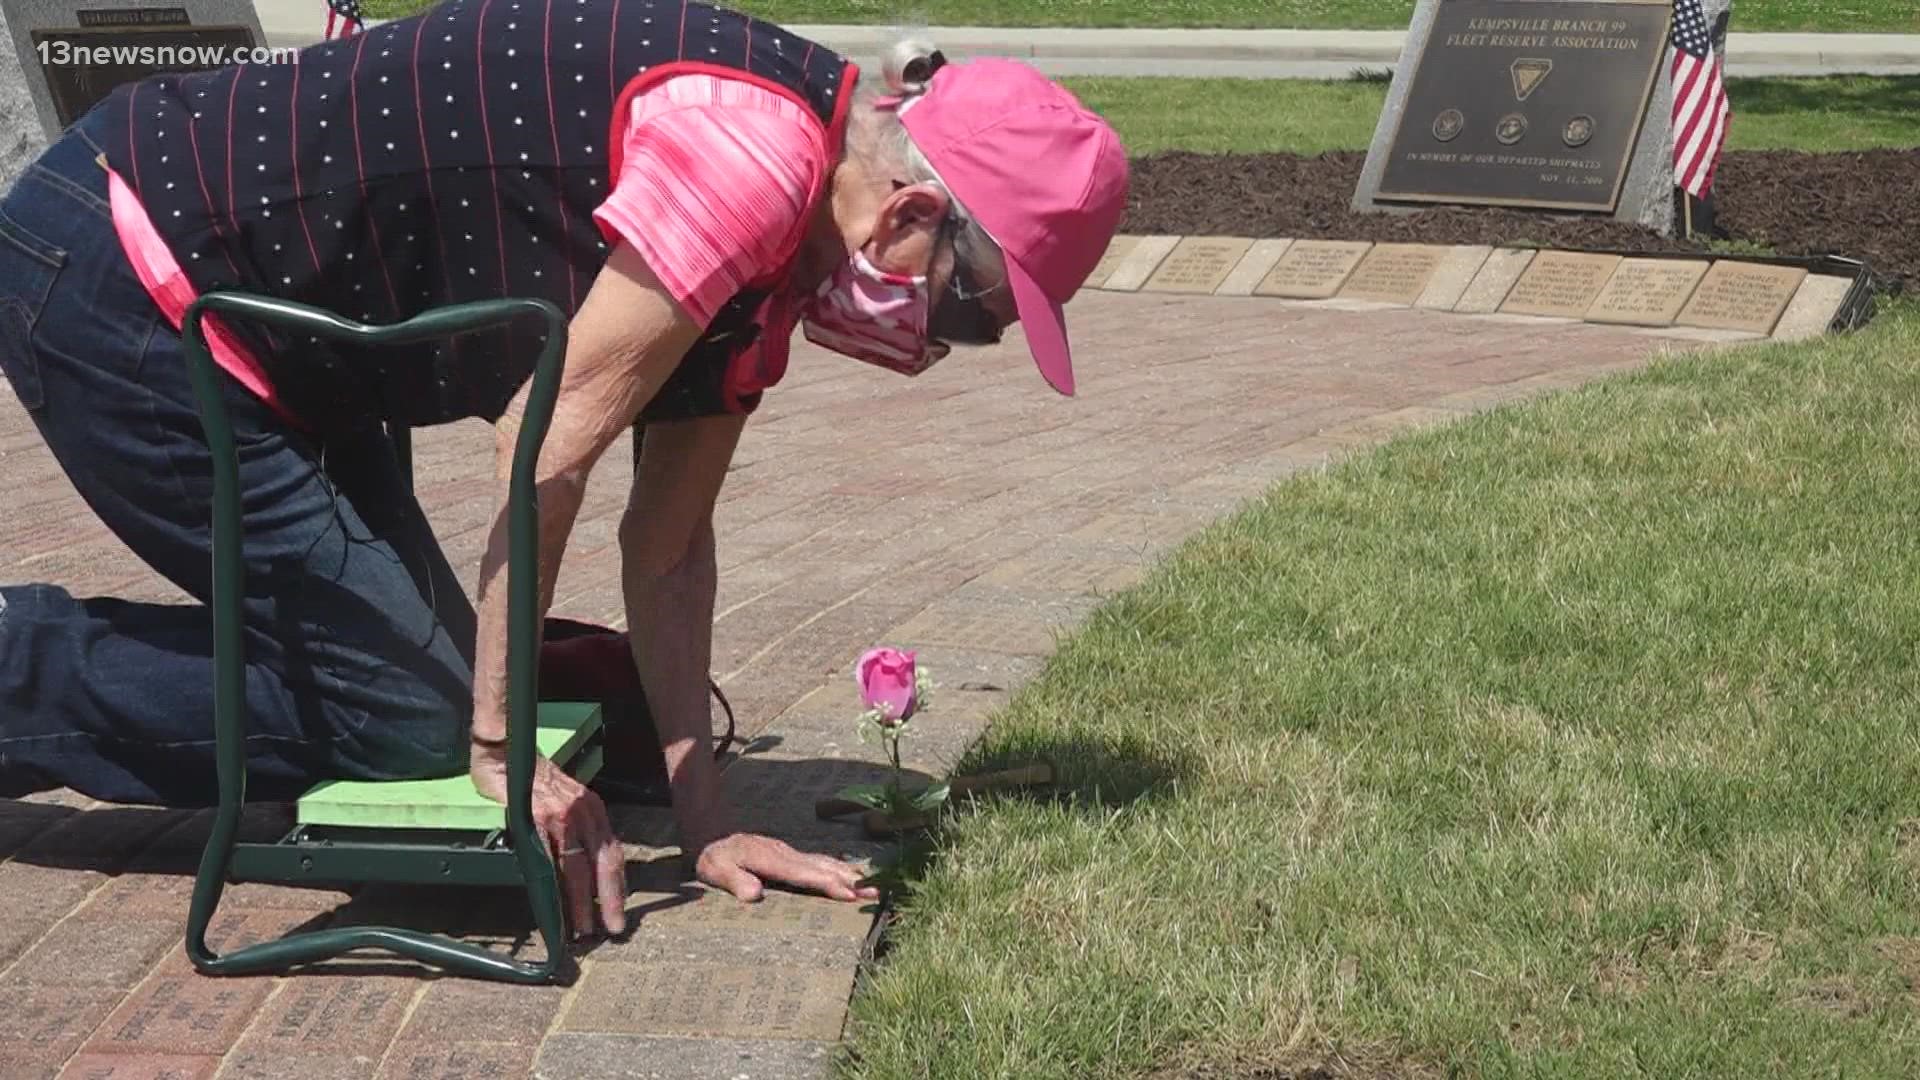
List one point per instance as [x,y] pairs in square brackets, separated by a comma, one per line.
[874,316]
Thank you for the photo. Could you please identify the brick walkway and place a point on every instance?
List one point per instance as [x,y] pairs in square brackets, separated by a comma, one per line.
[969,514]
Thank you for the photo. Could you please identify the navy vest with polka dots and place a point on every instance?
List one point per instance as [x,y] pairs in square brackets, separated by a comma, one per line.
[453,156]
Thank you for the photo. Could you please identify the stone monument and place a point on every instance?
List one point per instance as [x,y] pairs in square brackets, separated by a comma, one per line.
[21,137]
[1563,106]
[68,54]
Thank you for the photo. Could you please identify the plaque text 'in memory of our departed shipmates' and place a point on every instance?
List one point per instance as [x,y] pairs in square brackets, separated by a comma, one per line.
[1534,103]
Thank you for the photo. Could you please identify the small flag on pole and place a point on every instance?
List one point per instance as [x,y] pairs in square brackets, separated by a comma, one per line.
[344,16]
[1700,109]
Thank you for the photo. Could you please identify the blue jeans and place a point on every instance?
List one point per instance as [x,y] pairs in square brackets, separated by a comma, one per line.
[359,637]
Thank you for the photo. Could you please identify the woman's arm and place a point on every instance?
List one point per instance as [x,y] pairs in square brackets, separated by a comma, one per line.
[669,577]
[624,342]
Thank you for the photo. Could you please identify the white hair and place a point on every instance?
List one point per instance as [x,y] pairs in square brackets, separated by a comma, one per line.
[883,139]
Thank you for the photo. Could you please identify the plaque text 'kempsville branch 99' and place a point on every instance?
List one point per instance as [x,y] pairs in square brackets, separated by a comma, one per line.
[1527,103]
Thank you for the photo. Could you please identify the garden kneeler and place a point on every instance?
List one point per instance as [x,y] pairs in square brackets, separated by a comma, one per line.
[437,831]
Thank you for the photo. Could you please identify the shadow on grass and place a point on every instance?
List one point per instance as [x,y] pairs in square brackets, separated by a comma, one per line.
[1092,770]
[1888,98]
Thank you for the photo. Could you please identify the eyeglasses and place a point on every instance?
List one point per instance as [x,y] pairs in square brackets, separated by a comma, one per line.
[960,317]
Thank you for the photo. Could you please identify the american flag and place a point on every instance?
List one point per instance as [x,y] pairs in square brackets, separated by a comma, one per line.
[345,16]
[1700,109]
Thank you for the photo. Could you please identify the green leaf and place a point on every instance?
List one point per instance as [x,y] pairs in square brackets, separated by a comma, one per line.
[872,796]
[930,799]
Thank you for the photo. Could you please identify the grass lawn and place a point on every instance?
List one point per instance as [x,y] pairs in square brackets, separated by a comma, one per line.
[1238,116]
[1578,739]
[1749,15]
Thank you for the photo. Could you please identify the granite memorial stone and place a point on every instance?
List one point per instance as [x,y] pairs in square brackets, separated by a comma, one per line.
[74,52]
[21,137]
[1556,105]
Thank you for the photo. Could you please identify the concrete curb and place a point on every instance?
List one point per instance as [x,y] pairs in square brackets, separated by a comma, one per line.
[1235,53]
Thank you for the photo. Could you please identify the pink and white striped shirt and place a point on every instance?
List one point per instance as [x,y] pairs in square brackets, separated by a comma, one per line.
[713,183]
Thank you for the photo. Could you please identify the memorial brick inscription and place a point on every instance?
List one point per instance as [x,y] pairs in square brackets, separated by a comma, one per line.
[1198,265]
[1647,292]
[1313,269]
[1534,103]
[1560,284]
[1394,273]
[1748,297]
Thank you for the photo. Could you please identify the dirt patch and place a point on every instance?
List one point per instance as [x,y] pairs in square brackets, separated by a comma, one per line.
[1904,954]
[1856,205]
[1325,1067]
[1836,994]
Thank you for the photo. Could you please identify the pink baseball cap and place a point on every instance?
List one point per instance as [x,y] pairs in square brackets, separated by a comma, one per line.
[1045,176]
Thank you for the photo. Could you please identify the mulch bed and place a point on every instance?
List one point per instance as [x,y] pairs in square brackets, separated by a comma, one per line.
[1858,205]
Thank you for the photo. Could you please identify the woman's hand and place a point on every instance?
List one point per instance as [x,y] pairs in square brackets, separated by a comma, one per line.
[741,862]
[579,837]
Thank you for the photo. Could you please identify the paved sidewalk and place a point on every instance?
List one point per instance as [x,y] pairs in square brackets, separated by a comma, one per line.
[970,514]
[1256,54]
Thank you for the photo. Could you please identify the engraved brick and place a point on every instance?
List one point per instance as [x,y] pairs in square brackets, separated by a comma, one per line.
[1749,297]
[468,1061]
[140,1067]
[1313,269]
[1813,308]
[986,630]
[1560,284]
[1494,281]
[777,912]
[1457,271]
[710,1002]
[515,1015]
[340,1015]
[654,944]
[642,1057]
[1141,260]
[41,1026]
[181,1014]
[90,950]
[1198,264]
[231,931]
[1254,267]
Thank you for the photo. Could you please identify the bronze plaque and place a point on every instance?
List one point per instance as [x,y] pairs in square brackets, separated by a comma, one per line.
[1742,296]
[83,64]
[1560,284]
[1314,269]
[1527,103]
[1394,273]
[1647,292]
[1198,264]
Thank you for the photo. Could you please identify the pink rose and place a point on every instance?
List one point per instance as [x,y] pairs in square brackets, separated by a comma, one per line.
[887,683]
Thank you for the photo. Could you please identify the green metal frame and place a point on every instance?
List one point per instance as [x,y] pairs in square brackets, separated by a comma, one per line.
[312,855]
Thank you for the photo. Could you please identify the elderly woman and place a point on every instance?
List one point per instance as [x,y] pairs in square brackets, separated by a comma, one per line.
[688,184]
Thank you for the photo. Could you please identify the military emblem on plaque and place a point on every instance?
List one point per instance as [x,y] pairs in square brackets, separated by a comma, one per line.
[1533,103]
[1528,74]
